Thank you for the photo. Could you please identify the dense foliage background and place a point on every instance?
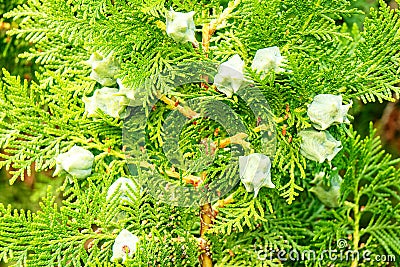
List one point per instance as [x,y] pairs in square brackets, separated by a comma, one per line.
[26,194]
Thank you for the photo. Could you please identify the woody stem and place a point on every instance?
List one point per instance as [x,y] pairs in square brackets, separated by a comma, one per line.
[206,211]
[206,217]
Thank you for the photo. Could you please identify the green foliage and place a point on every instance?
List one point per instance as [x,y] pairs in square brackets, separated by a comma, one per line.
[10,46]
[47,117]
[86,222]
[369,214]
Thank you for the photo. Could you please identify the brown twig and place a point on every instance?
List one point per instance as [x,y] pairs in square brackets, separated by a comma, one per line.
[209,29]
[206,218]
[185,110]
[222,203]
[206,211]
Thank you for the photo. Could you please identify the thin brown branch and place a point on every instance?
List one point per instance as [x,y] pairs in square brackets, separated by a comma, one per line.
[206,217]
[185,110]
[223,202]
